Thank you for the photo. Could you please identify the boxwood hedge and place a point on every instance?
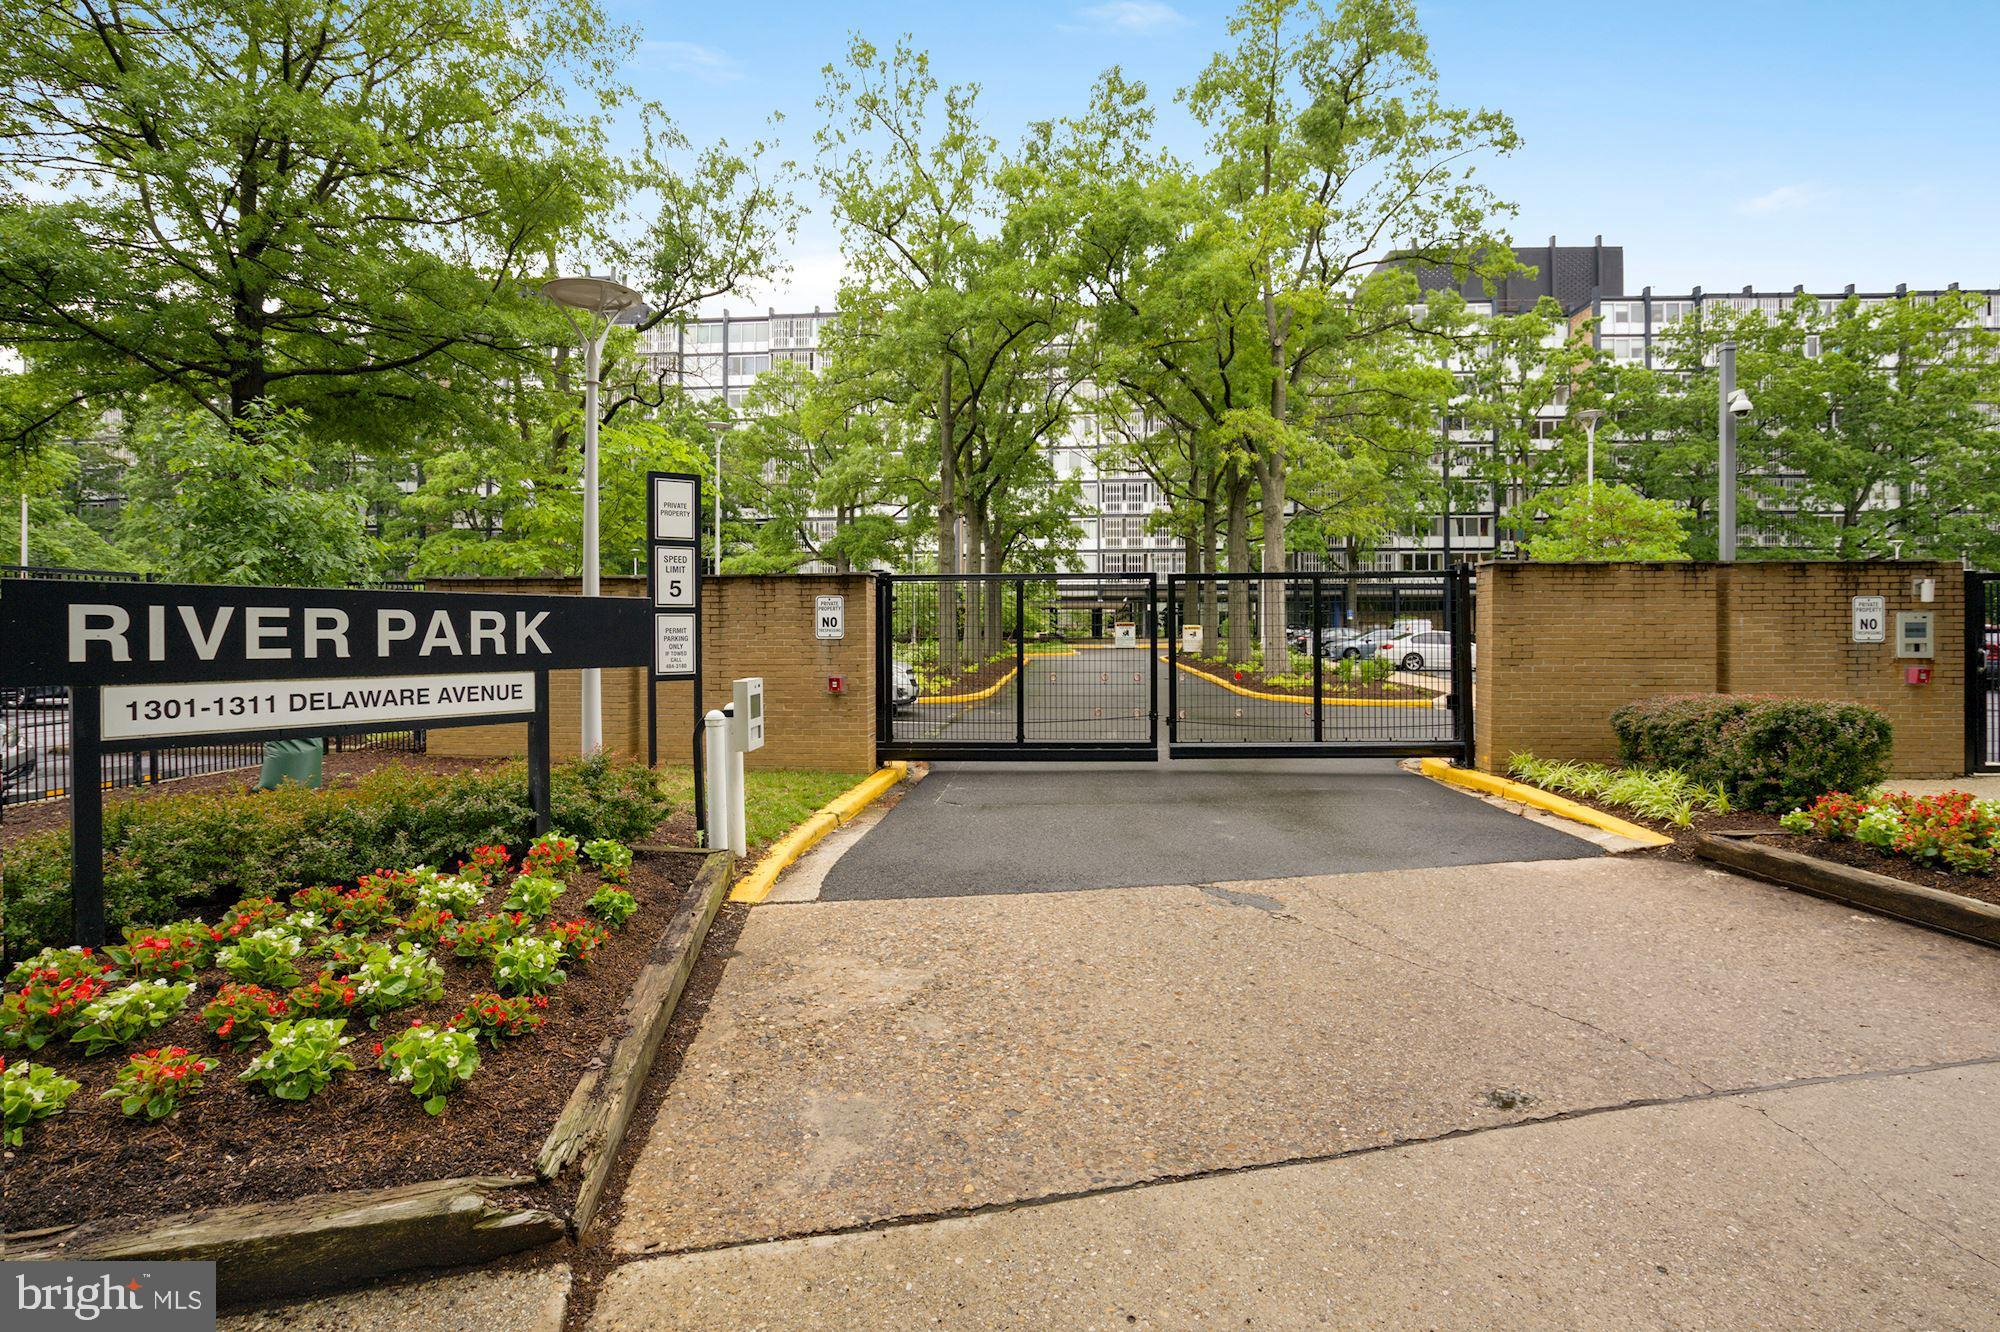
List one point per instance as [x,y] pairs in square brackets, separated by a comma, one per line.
[1768,753]
[179,855]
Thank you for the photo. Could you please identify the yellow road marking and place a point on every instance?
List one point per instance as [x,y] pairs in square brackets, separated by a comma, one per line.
[1307,702]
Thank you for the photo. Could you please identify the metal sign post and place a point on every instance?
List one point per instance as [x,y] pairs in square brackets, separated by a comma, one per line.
[673,584]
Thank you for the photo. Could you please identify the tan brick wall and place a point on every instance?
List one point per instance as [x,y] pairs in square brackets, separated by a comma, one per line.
[750,626]
[1561,645]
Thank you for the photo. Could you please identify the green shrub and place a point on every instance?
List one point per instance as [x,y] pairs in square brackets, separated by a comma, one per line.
[177,855]
[1764,753]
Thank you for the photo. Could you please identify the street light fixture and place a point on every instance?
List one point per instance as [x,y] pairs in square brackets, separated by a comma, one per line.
[1732,406]
[1590,416]
[606,303]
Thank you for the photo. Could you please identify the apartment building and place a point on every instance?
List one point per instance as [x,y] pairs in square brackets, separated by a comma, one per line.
[717,359]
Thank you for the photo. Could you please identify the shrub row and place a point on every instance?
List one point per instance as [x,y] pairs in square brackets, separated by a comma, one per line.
[1765,753]
[173,856]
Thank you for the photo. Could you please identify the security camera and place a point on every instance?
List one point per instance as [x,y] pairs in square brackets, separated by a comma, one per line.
[1739,404]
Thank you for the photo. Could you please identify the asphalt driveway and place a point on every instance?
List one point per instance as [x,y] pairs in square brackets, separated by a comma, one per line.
[972,828]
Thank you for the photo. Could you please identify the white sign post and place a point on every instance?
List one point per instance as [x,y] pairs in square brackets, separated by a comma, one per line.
[830,617]
[1871,615]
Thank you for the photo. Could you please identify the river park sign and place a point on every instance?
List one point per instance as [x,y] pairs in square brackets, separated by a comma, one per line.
[152,663]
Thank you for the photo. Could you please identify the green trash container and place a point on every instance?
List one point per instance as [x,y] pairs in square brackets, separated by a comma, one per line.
[298,761]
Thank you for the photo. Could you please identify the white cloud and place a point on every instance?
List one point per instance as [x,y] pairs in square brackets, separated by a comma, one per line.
[1133,16]
[1783,199]
[704,63]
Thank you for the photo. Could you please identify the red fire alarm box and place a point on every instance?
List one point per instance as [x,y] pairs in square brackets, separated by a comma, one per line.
[834,684]
[1916,675]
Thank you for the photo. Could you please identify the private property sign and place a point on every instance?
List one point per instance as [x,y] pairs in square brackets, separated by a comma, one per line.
[148,663]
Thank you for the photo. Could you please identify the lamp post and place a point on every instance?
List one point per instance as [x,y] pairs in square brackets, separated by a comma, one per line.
[1732,404]
[1590,416]
[603,300]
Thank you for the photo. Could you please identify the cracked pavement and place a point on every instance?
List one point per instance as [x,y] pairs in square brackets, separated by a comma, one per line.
[1500,1094]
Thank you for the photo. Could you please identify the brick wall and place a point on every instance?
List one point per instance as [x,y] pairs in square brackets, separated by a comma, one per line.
[1561,645]
[750,626]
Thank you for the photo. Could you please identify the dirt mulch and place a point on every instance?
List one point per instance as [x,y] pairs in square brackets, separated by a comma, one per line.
[231,1142]
[970,680]
[1249,677]
[18,821]
[1984,888]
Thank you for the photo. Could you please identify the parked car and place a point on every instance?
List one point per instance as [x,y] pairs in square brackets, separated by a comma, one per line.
[1338,643]
[1990,662]
[903,688]
[1427,651]
[34,696]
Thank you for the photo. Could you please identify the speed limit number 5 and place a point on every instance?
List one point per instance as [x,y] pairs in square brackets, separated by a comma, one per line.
[673,577]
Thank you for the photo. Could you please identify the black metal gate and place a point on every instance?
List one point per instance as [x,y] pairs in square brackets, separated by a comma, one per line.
[1017,666]
[1326,664]
[1982,672]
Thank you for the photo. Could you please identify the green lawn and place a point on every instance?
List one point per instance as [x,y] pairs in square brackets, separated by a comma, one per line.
[776,801]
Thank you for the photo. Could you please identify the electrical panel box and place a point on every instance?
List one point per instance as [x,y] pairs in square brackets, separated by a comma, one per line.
[1914,634]
[746,721]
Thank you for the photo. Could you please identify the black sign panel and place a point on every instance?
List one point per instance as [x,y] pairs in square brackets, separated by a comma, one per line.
[55,632]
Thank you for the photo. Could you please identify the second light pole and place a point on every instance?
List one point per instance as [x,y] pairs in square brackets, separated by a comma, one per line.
[604,300]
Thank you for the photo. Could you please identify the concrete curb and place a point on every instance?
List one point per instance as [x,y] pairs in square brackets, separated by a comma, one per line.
[1472,780]
[1914,903]
[755,886]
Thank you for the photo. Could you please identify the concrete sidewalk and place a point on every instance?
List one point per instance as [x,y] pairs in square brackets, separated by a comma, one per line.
[1814,1207]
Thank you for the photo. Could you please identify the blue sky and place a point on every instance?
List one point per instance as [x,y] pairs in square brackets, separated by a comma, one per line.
[1720,144]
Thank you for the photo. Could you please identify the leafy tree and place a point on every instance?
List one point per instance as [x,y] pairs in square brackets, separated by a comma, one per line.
[804,453]
[1872,430]
[1605,522]
[338,210]
[243,505]
[517,510]
[1330,144]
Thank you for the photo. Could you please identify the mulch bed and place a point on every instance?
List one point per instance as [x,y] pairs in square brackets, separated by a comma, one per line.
[971,680]
[1248,677]
[1984,888]
[231,1142]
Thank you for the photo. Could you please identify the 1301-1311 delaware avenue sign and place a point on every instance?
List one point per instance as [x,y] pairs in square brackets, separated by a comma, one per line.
[147,663]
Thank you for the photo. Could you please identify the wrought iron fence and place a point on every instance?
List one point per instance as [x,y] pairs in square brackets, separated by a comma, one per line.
[35,730]
[1330,663]
[1017,666]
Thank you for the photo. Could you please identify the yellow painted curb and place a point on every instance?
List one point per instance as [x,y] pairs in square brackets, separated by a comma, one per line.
[978,697]
[1307,702]
[756,885]
[1439,770]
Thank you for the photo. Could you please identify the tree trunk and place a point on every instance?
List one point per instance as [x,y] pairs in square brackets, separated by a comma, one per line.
[978,619]
[1211,601]
[1271,482]
[994,556]
[1242,616]
[949,650]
